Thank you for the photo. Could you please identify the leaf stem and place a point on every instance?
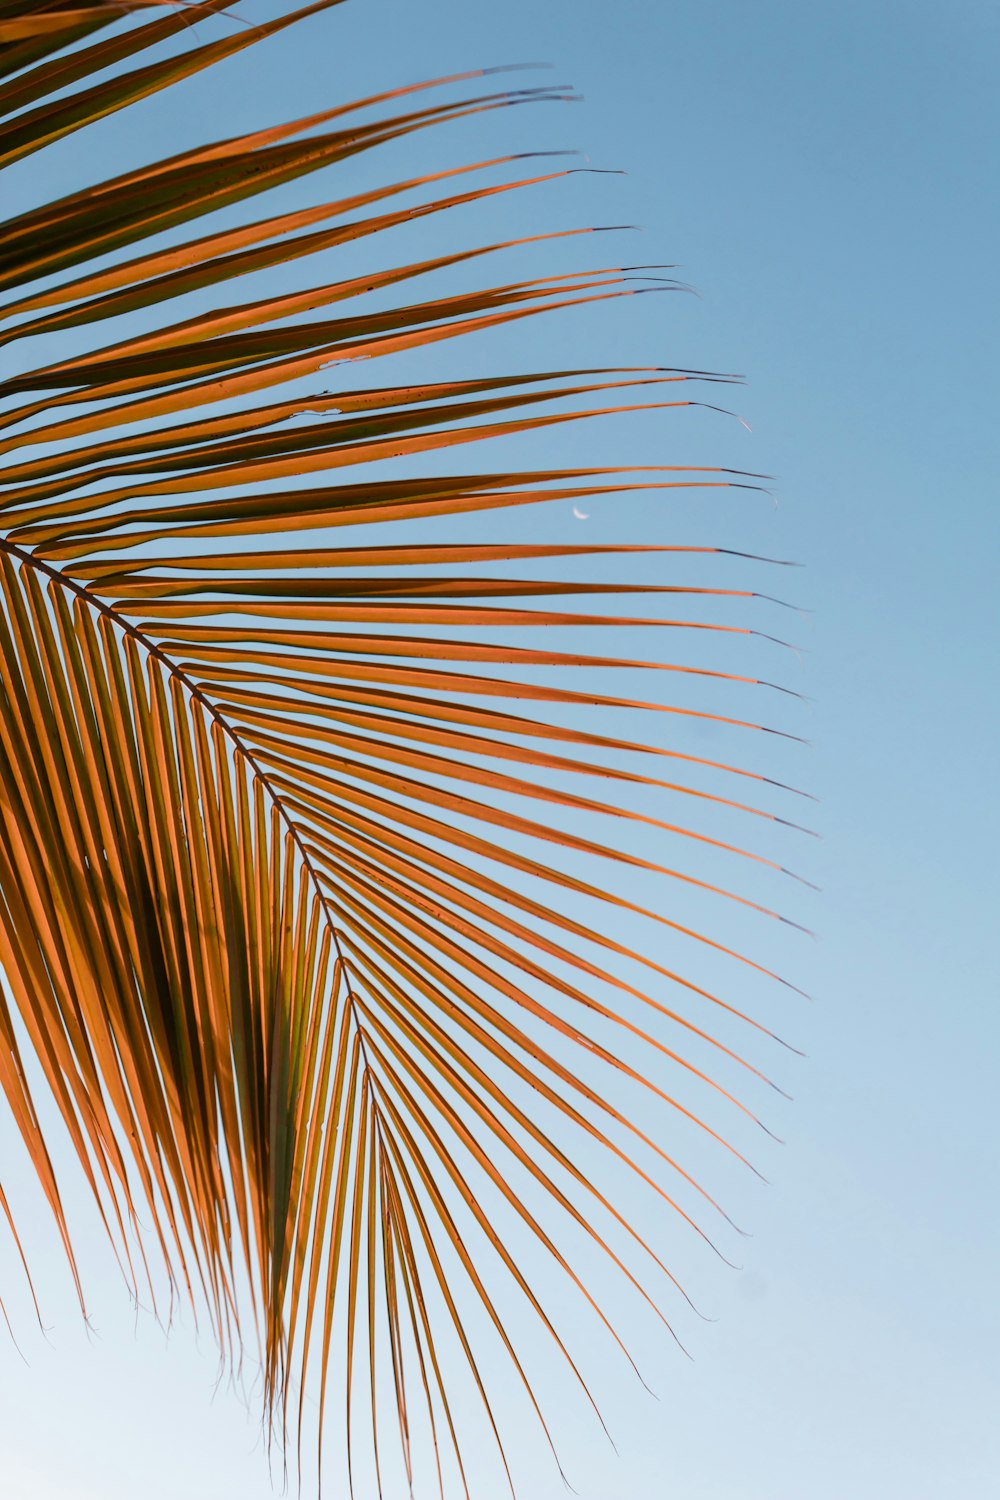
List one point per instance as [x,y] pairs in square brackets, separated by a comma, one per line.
[29,558]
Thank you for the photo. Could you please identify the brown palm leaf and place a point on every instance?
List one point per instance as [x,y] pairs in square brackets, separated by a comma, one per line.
[297,900]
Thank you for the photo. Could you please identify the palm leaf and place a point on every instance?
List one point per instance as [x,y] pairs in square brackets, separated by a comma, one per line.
[291,892]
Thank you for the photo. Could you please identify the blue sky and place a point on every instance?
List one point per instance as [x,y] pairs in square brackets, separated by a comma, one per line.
[825,175]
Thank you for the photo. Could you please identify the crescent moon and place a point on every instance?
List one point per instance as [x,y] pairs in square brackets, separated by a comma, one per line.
[581,515]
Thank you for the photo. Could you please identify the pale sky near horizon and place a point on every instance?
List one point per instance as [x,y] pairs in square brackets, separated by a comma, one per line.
[825,175]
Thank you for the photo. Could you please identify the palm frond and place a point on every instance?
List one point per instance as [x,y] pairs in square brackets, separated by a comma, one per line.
[297,841]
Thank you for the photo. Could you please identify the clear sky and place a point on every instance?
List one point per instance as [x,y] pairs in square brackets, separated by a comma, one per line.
[826,176]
